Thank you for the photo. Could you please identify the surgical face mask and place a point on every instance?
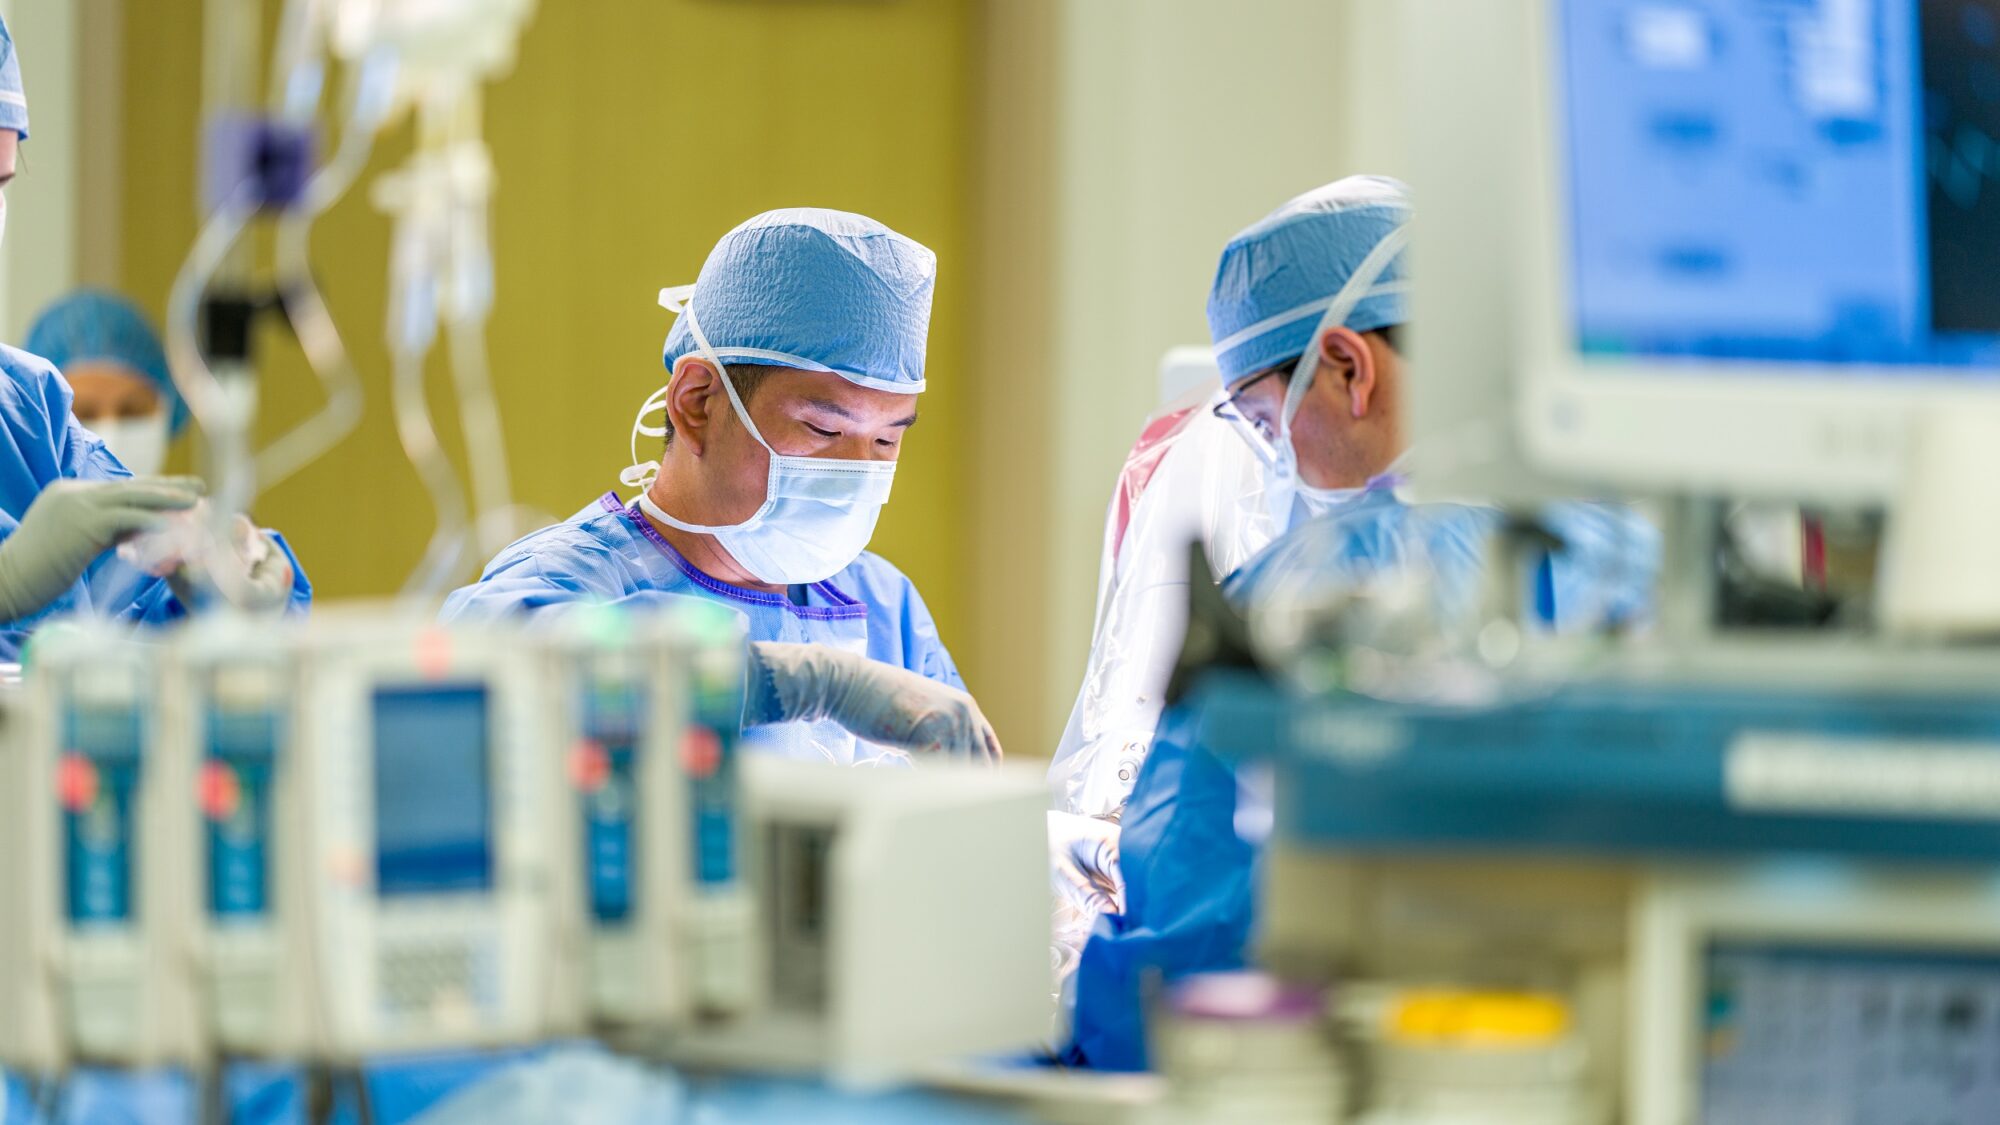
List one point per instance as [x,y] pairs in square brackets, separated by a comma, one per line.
[818,512]
[140,444]
[1320,501]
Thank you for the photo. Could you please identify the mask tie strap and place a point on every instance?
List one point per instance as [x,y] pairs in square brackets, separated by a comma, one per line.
[641,472]
[681,300]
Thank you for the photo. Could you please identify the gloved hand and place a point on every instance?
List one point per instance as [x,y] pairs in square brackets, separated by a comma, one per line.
[70,523]
[258,578]
[1083,851]
[876,701]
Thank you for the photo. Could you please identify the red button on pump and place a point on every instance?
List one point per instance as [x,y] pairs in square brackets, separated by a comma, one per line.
[219,791]
[701,752]
[589,766]
[76,782]
[432,652]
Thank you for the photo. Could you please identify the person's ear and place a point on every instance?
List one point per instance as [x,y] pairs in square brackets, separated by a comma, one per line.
[691,399]
[1345,355]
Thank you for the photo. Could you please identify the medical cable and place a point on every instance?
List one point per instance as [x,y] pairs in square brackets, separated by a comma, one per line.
[305,307]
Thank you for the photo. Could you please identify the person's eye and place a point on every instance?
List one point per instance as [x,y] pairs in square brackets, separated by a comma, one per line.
[888,443]
[822,433]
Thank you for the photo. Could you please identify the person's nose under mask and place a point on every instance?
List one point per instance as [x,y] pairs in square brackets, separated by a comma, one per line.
[140,444]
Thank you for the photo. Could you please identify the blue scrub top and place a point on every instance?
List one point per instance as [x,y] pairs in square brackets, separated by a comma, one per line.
[608,553]
[42,442]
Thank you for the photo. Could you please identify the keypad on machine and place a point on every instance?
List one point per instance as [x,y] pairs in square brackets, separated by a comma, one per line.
[418,976]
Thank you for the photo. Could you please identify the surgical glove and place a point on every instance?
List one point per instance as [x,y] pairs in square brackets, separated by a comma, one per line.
[72,522]
[253,574]
[1083,851]
[875,701]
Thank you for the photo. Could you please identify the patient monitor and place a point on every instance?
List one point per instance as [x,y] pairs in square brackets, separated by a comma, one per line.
[1698,247]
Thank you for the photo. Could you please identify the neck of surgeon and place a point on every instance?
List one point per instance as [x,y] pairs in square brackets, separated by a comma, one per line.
[711,473]
[679,494]
[1350,429]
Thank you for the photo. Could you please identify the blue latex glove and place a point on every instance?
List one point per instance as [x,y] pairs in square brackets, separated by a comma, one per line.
[875,701]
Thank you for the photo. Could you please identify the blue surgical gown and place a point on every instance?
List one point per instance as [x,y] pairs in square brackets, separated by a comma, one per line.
[43,443]
[1190,879]
[608,553]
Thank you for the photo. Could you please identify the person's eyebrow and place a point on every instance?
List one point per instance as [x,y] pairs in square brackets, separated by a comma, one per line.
[840,411]
[831,407]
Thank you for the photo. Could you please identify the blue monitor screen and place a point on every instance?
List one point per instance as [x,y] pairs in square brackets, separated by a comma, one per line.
[1802,181]
[1798,1035]
[433,800]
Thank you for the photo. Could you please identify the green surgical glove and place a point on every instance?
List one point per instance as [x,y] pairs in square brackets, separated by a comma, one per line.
[878,702]
[70,524]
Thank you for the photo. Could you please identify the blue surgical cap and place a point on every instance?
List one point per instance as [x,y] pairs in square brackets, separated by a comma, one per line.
[13,97]
[1277,277]
[93,325]
[817,290]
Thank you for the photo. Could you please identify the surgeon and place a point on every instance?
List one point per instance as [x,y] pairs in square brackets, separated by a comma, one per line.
[1305,313]
[66,501]
[1309,411]
[1320,274]
[112,360]
[794,371]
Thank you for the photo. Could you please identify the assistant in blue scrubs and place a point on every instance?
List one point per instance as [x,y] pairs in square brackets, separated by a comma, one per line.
[42,442]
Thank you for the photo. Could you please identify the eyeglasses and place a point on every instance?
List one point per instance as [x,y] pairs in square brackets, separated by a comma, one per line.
[1229,411]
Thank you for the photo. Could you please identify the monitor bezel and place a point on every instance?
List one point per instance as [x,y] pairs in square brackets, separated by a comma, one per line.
[1798,430]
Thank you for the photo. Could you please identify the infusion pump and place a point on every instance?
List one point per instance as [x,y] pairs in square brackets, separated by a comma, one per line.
[321,841]
[423,840]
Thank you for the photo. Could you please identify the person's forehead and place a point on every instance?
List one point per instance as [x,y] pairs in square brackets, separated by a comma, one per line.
[105,376]
[824,386]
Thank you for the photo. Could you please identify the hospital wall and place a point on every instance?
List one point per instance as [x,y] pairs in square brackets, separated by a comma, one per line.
[50,198]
